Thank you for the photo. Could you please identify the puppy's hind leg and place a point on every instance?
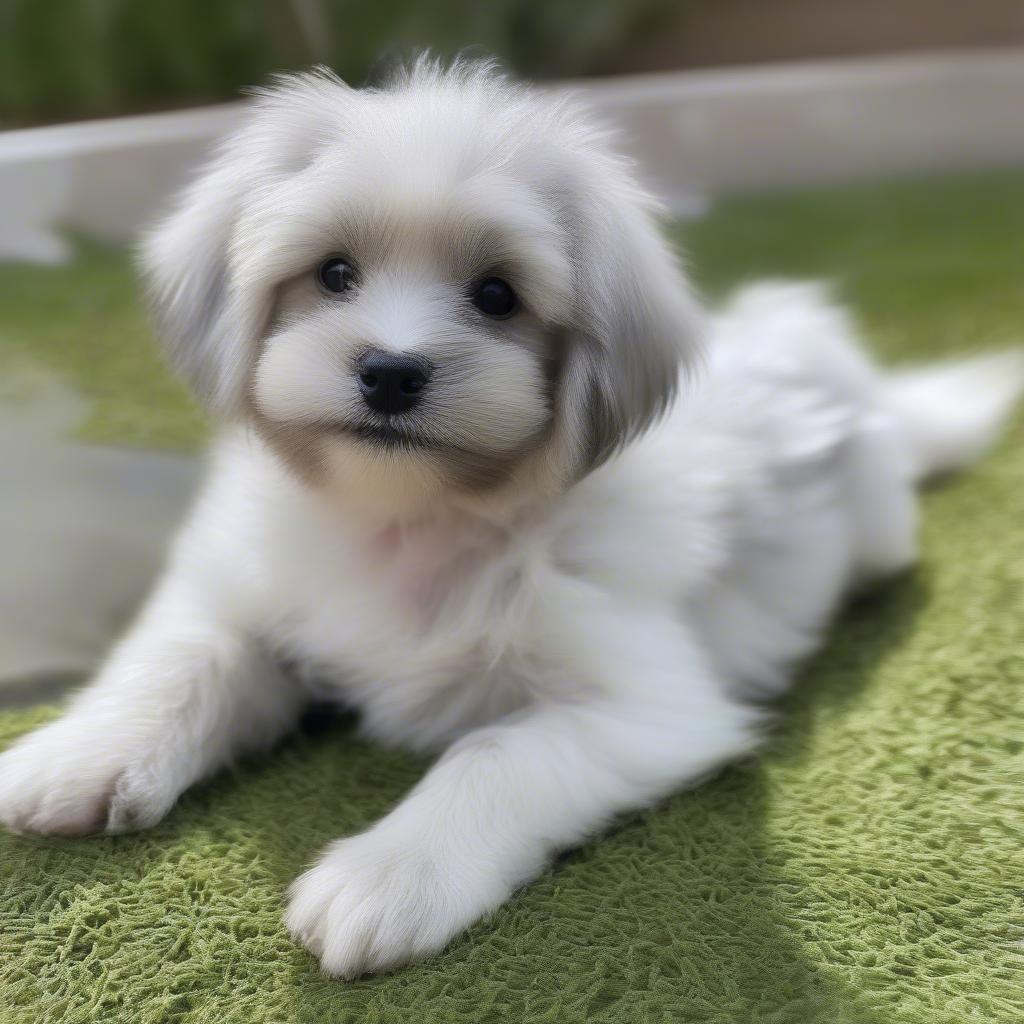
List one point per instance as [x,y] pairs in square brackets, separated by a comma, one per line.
[175,700]
[882,501]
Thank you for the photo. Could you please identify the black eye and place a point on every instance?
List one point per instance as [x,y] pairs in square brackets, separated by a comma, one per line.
[336,275]
[495,298]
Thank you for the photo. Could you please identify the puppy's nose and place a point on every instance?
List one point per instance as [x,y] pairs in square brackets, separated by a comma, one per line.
[391,383]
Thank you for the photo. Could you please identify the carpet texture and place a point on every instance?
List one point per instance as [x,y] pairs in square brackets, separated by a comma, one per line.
[868,868]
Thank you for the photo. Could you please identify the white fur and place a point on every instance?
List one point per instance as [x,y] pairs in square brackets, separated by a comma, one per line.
[581,636]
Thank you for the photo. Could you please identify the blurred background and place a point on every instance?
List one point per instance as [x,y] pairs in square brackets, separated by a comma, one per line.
[877,143]
[73,59]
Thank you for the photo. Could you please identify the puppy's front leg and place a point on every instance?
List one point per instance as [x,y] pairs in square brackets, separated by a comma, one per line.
[490,814]
[176,698]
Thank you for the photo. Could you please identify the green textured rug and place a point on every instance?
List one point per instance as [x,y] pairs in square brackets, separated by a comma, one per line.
[869,868]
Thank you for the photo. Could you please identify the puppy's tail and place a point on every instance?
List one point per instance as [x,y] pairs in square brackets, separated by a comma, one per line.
[954,411]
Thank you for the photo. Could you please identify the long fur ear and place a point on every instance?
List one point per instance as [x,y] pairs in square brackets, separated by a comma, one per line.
[207,321]
[638,322]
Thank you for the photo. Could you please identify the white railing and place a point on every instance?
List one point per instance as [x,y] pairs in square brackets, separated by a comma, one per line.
[695,133]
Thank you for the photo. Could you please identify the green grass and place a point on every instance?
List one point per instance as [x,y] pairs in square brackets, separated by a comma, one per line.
[85,323]
[869,868]
[930,267]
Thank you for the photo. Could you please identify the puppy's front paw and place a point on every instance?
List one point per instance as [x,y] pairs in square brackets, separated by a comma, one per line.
[376,901]
[77,776]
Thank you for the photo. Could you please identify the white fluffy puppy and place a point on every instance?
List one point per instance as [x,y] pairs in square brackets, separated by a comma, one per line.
[469,489]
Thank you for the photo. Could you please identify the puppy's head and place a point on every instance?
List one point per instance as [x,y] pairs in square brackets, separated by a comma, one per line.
[446,285]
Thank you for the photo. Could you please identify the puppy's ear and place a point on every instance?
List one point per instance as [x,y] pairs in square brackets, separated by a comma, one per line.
[208,321]
[638,324]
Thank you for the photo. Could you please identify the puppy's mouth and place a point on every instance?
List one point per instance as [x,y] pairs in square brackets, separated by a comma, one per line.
[386,435]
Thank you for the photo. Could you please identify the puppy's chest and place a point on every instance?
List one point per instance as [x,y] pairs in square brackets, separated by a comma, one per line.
[418,628]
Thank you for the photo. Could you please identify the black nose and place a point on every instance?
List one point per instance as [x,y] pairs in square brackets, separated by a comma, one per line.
[391,383]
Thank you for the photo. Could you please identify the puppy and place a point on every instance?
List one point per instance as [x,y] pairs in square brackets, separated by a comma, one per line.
[490,476]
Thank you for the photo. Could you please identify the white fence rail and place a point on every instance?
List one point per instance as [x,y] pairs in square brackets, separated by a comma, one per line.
[737,129]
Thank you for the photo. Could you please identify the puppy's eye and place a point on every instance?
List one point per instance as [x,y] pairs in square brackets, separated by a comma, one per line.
[336,275]
[494,297]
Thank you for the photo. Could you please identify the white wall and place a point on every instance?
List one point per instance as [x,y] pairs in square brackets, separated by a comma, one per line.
[694,133]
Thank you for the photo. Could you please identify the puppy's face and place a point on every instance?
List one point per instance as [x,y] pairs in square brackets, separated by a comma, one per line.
[417,349]
[445,286]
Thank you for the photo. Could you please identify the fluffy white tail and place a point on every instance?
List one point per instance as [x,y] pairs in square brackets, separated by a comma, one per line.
[954,411]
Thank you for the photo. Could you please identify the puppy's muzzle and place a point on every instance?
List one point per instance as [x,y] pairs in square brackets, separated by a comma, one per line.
[391,383]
